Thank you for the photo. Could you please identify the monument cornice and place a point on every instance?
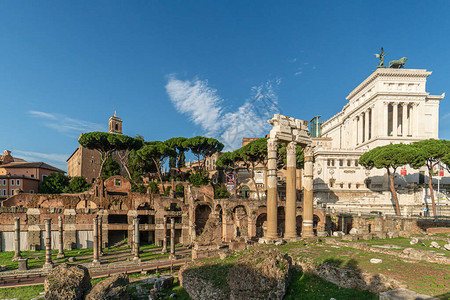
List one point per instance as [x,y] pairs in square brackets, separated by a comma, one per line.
[385,72]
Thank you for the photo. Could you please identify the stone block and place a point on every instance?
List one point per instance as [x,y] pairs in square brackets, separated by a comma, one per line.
[404,294]
[23,264]
[435,230]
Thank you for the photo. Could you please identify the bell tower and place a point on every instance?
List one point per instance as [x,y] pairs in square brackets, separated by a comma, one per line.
[115,124]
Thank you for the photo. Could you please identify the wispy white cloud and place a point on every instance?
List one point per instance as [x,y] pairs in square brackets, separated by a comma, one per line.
[204,107]
[65,124]
[196,100]
[446,116]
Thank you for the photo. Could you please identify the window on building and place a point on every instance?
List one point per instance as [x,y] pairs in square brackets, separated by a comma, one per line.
[32,175]
[421,177]
[342,185]
[117,182]
[332,162]
[12,181]
[18,182]
[12,192]
[356,163]
[349,185]
[31,191]
[331,183]
[4,181]
[357,186]
[349,163]
[4,192]
[341,163]
[328,162]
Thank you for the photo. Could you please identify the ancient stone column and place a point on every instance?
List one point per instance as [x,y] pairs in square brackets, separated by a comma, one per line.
[95,259]
[394,119]
[172,238]
[404,116]
[100,236]
[17,254]
[136,242]
[272,192]
[48,244]
[164,249]
[308,194]
[366,125]
[61,238]
[291,194]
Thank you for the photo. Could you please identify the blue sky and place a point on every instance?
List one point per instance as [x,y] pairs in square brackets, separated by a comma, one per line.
[186,68]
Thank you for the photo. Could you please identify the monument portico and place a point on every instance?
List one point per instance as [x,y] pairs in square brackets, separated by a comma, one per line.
[293,132]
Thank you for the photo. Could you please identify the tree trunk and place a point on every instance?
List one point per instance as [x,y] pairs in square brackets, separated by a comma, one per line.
[124,162]
[254,182]
[430,186]
[394,193]
[103,157]
[158,169]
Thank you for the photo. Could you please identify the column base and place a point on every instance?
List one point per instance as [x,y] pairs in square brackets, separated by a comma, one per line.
[164,250]
[48,266]
[96,263]
[276,241]
[290,236]
[137,260]
[60,255]
[293,239]
[101,253]
[16,258]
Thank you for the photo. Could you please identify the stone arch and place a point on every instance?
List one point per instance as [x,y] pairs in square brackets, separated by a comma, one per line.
[319,220]
[86,204]
[202,212]
[240,217]
[261,225]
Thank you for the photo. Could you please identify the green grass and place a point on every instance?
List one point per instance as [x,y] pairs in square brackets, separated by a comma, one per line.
[22,293]
[311,287]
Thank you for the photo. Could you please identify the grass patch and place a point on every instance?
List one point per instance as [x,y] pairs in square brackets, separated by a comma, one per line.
[22,293]
[311,287]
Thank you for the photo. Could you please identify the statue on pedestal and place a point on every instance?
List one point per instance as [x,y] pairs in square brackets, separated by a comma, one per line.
[381,57]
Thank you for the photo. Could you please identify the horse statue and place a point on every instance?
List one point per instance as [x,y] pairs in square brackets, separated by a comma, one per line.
[398,64]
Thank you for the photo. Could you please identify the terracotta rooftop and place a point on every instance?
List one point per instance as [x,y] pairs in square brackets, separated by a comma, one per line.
[40,164]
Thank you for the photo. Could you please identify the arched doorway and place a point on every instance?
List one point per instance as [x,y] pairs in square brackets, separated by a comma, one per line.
[299,222]
[240,221]
[261,225]
[316,221]
[244,192]
[202,213]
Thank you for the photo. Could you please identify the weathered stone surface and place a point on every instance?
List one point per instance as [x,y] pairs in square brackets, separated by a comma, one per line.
[356,231]
[435,245]
[447,247]
[338,233]
[163,283]
[256,274]
[67,282]
[434,230]
[376,260]
[414,241]
[404,294]
[113,288]
[212,233]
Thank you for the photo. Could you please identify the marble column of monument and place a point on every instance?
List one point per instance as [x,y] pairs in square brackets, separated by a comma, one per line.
[61,238]
[172,238]
[100,236]
[291,194]
[394,119]
[48,244]
[272,207]
[136,242]
[17,254]
[95,259]
[164,249]
[308,194]
[404,116]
